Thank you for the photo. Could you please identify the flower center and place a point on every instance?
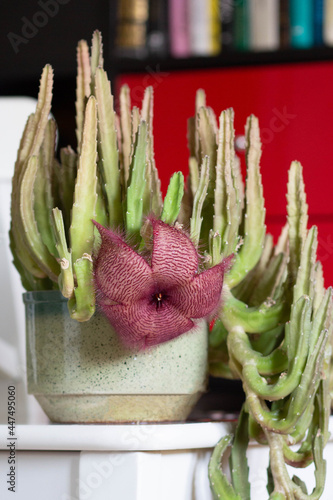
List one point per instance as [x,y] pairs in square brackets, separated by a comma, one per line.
[158,299]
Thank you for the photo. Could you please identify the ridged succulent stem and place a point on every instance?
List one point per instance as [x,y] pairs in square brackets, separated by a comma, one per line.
[226,197]
[82,228]
[173,198]
[199,198]
[125,122]
[96,59]
[282,482]
[83,81]
[297,209]
[107,136]
[254,226]
[219,482]
[39,251]
[136,188]
[252,319]
[66,278]
[30,145]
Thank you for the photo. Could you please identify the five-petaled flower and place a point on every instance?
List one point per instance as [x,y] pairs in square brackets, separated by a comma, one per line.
[148,303]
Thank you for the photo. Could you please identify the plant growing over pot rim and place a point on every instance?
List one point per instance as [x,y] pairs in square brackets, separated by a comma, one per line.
[55,247]
[273,331]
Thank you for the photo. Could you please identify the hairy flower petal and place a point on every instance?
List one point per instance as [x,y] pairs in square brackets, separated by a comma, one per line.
[201,296]
[142,324]
[121,274]
[174,259]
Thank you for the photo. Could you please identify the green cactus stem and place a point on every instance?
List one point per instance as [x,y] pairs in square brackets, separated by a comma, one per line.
[36,260]
[173,198]
[199,198]
[152,200]
[96,59]
[66,278]
[43,200]
[254,225]
[83,81]
[239,488]
[227,201]
[219,482]
[40,253]
[82,228]
[108,149]
[125,122]
[82,307]
[285,422]
[238,462]
[254,365]
[297,216]
[290,489]
[251,319]
[65,175]
[136,187]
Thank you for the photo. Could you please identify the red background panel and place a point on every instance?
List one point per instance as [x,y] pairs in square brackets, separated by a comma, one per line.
[294,104]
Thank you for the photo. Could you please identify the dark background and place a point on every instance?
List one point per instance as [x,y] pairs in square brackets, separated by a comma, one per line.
[53,40]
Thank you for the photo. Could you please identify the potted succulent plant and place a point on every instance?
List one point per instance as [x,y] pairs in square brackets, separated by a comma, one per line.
[119,297]
[275,327]
[94,226]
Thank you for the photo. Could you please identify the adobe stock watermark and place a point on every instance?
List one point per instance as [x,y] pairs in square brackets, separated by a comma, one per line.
[30,27]
[153,77]
[277,124]
[102,469]
[325,247]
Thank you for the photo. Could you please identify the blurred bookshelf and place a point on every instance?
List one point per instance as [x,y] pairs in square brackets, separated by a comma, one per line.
[199,34]
[175,34]
[169,38]
[171,35]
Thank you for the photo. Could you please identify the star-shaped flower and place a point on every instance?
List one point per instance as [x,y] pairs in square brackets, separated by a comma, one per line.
[148,303]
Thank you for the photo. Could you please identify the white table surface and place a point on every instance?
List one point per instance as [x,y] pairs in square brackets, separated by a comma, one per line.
[130,437]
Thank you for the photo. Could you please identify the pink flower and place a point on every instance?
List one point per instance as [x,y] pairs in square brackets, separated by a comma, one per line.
[148,303]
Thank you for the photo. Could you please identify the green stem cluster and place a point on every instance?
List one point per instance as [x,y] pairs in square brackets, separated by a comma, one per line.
[111,178]
[274,330]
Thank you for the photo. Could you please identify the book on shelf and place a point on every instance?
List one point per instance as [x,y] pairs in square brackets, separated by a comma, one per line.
[215,26]
[227,24]
[301,14]
[318,20]
[242,25]
[204,27]
[157,30]
[264,25]
[132,23]
[179,37]
[284,27]
[328,22]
